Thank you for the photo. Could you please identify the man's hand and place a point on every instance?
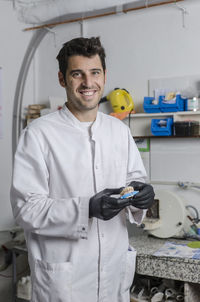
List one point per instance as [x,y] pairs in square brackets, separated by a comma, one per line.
[105,207]
[144,198]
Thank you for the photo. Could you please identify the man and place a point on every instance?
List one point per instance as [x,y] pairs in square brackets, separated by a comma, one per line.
[70,167]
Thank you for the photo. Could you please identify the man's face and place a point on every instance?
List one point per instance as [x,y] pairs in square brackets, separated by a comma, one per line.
[85,80]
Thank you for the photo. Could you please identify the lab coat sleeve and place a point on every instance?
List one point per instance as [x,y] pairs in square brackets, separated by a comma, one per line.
[135,172]
[33,209]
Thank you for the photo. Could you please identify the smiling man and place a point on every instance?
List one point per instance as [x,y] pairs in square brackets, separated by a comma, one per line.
[70,167]
[84,80]
[84,83]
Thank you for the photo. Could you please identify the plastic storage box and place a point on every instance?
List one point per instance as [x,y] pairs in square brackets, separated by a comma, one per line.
[149,106]
[162,127]
[180,104]
[186,128]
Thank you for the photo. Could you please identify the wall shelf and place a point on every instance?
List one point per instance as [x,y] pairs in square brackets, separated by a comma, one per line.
[140,123]
[154,136]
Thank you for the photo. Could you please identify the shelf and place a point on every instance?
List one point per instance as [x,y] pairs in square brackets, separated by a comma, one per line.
[140,123]
[185,113]
[154,136]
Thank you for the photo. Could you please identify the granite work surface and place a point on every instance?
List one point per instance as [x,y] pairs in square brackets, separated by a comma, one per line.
[183,269]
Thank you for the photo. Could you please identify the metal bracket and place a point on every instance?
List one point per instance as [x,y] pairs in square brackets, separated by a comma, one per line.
[119,9]
[54,35]
[82,28]
[184,12]
[14,4]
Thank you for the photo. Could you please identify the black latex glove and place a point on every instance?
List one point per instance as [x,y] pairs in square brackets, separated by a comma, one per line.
[144,198]
[105,207]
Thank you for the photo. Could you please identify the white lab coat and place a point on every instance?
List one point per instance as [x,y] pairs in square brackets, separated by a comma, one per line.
[58,167]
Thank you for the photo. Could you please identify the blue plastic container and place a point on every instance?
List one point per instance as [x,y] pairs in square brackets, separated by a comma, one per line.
[180,104]
[149,107]
[162,127]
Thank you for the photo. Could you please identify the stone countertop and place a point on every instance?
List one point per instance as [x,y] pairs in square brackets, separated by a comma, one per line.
[183,269]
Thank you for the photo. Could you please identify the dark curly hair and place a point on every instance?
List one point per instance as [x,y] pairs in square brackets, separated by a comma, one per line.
[87,47]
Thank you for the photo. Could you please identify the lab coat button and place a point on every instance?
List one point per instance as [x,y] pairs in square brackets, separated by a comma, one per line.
[96,166]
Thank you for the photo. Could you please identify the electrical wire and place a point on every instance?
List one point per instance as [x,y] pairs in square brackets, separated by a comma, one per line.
[11,276]
[186,185]
[196,212]
[129,119]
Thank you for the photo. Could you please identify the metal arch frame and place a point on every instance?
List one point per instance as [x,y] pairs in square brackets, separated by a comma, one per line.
[21,81]
[19,91]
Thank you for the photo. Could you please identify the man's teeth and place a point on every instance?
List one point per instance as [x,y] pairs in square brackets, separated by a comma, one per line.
[87,93]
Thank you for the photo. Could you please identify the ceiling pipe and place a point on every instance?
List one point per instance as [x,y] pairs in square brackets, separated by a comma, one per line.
[99,15]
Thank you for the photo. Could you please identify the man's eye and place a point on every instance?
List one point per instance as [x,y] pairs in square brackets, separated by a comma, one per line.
[76,74]
[97,72]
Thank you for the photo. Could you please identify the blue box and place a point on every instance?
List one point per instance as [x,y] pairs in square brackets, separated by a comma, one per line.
[180,104]
[149,107]
[162,127]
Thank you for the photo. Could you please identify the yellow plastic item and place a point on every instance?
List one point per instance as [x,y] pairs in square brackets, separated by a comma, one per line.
[194,244]
[121,100]
[121,115]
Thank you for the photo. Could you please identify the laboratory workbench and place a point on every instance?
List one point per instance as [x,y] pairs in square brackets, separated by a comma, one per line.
[182,269]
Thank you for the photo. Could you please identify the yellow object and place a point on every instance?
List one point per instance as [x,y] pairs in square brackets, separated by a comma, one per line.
[121,115]
[194,244]
[121,100]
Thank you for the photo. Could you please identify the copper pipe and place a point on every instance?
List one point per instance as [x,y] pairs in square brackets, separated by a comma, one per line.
[100,15]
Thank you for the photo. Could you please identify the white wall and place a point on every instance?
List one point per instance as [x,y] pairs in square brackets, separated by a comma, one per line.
[140,45]
[13,45]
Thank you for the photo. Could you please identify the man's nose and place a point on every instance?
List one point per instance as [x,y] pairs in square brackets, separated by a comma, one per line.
[87,80]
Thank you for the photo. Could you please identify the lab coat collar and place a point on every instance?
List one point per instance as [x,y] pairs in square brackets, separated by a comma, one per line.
[68,115]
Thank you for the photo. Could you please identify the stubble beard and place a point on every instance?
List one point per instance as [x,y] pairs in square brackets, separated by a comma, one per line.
[80,105]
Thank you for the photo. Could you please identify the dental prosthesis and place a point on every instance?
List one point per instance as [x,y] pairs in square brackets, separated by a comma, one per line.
[128,192]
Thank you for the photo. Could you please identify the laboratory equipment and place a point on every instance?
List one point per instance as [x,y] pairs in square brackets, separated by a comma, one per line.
[168,217]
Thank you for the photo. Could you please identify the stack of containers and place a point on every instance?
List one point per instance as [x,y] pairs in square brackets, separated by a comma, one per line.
[150,106]
[163,127]
[186,128]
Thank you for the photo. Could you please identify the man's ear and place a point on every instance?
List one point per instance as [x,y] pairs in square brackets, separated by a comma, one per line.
[61,79]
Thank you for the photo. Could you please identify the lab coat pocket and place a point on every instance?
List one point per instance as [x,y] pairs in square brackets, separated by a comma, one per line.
[52,282]
[129,272]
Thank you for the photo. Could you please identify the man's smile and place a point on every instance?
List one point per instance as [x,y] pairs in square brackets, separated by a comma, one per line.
[88,93]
